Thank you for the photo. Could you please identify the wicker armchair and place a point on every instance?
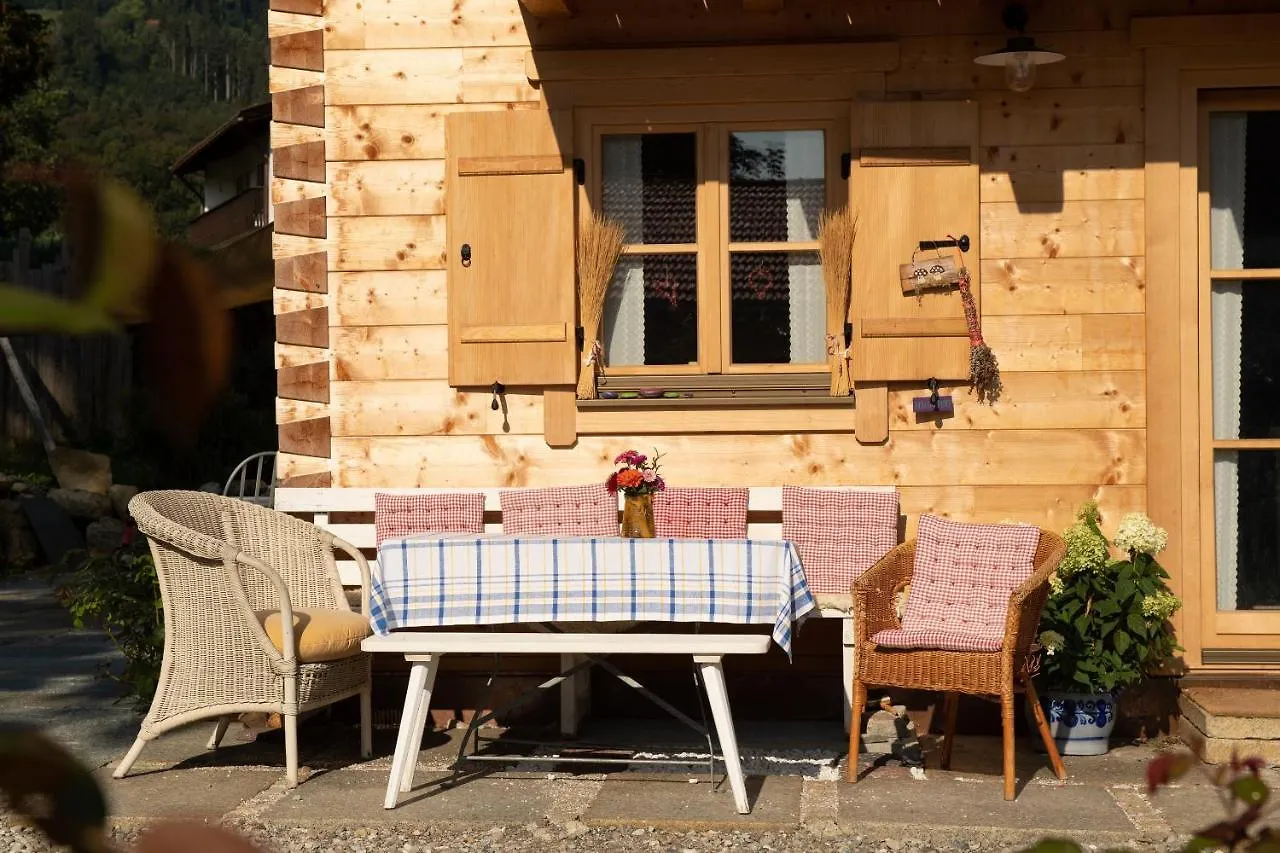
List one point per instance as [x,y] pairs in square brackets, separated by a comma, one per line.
[223,564]
[993,674]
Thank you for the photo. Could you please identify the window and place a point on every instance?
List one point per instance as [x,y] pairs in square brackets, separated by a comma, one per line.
[1243,364]
[720,270]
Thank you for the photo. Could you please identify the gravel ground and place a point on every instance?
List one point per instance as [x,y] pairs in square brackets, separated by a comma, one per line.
[571,836]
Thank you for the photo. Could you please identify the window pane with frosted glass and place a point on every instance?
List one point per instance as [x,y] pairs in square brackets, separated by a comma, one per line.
[649,183]
[777,185]
[1245,318]
[1244,207]
[778,306]
[1246,492]
[651,311]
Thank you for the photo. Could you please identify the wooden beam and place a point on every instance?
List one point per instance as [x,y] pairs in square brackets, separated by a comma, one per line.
[318,480]
[1205,29]
[731,61]
[304,50]
[560,417]
[299,106]
[306,438]
[302,218]
[304,382]
[308,327]
[871,412]
[762,5]
[309,273]
[548,8]
[301,162]
[299,7]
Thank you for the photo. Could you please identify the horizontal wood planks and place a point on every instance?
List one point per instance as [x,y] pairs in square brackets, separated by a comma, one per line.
[1061,234]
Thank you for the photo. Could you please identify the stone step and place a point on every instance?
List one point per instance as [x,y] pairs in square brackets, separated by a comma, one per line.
[1217,722]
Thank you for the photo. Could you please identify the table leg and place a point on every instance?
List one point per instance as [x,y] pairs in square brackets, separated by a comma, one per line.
[575,696]
[718,697]
[420,722]
[847,652]
[422,674]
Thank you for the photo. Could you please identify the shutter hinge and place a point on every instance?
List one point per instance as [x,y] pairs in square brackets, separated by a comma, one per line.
[579,170]
[846,164]
[580,336]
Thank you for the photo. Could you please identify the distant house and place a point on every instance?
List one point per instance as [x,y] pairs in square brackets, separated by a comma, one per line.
[235,218]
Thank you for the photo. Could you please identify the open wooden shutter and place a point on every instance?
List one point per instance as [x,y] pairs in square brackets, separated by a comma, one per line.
[511,248]
[913,177]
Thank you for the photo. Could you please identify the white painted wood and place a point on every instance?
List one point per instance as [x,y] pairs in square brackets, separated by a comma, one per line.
[718,698]
[476,642]
[847,651]
[421,678]
[761,499]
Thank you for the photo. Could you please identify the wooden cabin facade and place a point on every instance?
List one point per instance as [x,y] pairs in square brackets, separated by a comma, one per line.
[432,163]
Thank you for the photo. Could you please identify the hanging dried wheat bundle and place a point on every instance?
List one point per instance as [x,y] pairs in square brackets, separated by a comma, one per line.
[984,370]
[836,230]
[599,245]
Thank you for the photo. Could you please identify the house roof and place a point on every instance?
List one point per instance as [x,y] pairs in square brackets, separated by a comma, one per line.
[243,128]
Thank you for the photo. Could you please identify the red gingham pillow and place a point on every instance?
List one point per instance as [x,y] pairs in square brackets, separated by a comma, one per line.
[839,533]
[700,513]
[396,516]
[568,510]
[961,583]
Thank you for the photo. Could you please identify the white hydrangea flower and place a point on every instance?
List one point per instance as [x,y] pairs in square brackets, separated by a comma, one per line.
[1138,533]
[1160,605]
[1051,642]
[1055,584]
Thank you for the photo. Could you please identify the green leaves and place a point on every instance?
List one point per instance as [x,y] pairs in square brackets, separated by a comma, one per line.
[1250,790]
[1123,641]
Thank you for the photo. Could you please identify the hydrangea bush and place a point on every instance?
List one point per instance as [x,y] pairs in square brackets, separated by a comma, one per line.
[1106,623]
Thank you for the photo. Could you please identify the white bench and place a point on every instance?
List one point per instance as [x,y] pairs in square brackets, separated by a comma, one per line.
[322,503]
[423,650]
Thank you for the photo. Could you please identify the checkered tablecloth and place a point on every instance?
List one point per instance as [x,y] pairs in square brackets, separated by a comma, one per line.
[484,580]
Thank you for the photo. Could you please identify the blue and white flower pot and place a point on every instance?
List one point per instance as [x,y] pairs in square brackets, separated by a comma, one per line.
[1081,723]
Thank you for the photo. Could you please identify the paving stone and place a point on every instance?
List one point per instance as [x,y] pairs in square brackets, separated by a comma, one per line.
[202,793]
[950,799]
[1187,808]
[355,795]
[651,800]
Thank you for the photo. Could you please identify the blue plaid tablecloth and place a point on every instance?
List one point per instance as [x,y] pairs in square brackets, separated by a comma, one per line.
[485,580]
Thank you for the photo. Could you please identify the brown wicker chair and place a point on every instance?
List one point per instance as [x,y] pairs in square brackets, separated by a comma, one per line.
[952,672]
[218,561]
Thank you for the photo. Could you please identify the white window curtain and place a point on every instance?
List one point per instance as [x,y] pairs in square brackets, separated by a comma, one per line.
[623,191]
[808,304]
[1226,230]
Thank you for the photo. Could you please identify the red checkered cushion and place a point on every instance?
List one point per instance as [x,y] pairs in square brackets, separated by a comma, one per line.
[839,533]
[396,516]
[695,512]
[960,584]
[568,510]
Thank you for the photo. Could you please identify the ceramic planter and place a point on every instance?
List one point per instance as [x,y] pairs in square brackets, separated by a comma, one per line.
[1081,723]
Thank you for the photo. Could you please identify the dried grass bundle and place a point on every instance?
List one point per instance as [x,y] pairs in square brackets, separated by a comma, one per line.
[836,232]
[599,245]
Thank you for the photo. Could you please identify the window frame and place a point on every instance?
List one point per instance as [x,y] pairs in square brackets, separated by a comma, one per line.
[713,125]
[1221,622]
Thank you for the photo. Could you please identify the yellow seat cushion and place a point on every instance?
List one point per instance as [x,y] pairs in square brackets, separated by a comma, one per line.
[318,635]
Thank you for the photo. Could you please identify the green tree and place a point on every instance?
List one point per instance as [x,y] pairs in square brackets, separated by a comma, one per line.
[29,110]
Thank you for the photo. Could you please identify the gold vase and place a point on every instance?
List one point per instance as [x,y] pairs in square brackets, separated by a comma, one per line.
[637,516]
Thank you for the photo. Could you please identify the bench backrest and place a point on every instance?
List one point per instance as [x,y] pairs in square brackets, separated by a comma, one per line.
[321,504]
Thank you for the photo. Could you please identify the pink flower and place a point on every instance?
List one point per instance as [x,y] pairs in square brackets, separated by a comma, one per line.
[650,475]
[612,483]
[630,457]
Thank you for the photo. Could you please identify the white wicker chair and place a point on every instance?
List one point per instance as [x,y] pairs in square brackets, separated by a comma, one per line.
[220,559]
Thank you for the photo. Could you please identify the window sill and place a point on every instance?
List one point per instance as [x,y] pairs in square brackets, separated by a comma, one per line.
[718,391]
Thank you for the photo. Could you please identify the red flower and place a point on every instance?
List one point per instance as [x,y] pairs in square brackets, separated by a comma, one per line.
[612,483]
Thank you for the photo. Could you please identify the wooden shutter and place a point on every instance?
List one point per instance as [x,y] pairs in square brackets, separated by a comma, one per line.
[913,177]
[510,205]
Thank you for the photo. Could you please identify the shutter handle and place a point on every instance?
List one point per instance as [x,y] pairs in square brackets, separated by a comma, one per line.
[466,254]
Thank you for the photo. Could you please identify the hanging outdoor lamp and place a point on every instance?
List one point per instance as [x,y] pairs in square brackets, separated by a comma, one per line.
[1020,55]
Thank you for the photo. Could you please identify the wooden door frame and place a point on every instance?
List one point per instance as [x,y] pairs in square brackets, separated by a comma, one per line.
[1183,57]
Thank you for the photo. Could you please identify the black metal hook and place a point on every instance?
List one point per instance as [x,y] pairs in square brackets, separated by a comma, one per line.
[962,243]
[933,392]
[498,389]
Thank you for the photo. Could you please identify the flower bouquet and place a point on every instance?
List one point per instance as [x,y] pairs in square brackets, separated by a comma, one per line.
[638,479]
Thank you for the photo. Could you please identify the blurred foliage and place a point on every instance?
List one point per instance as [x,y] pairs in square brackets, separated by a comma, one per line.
[1244,797]
[30,108]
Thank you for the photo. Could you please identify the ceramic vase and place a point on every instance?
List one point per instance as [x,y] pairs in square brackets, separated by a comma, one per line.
[1081,723]
[637,516]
